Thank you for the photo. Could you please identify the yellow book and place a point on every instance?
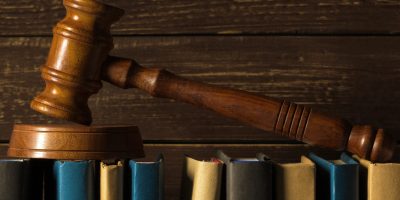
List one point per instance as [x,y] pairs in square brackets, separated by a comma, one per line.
[111,181]
[201,179]
[380,180]
[295,181]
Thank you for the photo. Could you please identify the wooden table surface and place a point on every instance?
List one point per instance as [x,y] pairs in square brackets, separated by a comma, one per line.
[340,57]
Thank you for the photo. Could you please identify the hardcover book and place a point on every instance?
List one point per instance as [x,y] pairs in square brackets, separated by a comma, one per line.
[248,178]
[147,179]
[337,179]
[201,180]
[74,180]
[380,181]
[112,180]
[15,180]
[295,181]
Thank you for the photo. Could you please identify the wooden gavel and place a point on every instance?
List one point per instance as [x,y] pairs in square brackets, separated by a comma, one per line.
[78,61]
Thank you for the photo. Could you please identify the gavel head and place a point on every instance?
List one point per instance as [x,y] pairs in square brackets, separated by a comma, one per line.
[81,43]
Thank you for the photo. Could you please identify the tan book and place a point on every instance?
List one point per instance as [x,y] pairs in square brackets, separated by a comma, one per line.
[111,181]
[381,181]
[295,181]
[201,179]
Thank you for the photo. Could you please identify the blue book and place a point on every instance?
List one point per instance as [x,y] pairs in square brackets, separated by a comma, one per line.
[147,179]
[74,180]
[337,179]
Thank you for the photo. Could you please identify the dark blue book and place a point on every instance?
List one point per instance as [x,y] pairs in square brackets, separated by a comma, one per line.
[147,180]
[337,179]
[74,180]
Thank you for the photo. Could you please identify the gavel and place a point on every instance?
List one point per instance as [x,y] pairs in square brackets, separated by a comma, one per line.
[79,59]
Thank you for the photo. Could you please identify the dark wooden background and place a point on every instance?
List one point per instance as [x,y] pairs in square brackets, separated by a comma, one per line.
[340,57]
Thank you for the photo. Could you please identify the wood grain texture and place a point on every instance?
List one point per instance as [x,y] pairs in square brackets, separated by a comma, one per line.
[174,154]
[352,77]
[271,115]
[3,150]
[78,60]
[355,77]
[37,17]
[81,43]
[66,142]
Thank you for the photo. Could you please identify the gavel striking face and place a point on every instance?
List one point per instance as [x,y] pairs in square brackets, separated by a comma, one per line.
[78,61]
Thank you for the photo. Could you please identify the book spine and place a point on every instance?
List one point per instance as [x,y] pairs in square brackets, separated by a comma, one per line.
[201,180]
[74,180]
[338,178]
[379,180]
[249,180]
[112,181]
[147,180]
[345,182]
[295,181]
[14,179]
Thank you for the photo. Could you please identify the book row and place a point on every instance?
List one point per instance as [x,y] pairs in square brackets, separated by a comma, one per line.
[23,179]
[222,177]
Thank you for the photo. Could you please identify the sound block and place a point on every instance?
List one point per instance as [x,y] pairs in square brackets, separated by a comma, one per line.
[75,142]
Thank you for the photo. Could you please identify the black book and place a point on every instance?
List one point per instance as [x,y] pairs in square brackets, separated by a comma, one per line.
[18,181]
[248,178]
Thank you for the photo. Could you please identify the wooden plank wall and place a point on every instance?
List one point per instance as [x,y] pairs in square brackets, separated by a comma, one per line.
[340,57]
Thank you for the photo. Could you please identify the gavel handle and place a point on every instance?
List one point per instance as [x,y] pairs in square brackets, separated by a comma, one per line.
[281,117]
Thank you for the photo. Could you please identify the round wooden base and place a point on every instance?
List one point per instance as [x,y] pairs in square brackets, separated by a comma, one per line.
[75,142]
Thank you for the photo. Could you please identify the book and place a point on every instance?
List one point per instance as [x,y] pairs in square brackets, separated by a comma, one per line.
[111,180]
[147,179]
[295,181]
[379,180]
[16,181]
[248,178]
[337,179]
[74,180]
[201,180]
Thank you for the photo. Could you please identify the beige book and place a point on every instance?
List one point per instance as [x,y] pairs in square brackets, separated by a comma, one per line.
[381,181]
[295,181]
[201,180]
[111,181]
